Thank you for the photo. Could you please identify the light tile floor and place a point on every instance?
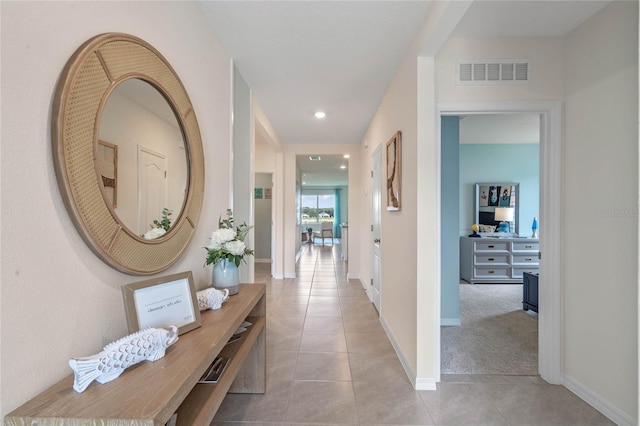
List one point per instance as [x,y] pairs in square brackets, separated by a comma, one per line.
[330,362]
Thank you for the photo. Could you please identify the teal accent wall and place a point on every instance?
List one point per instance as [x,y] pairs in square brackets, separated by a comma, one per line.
[449,214]
[500,163]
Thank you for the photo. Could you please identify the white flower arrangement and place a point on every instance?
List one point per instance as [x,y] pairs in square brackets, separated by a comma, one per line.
[228,242]
[154,233]
[159,227]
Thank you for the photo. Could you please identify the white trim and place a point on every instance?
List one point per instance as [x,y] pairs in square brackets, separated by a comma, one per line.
[550,318]
[596,401]
[289,275]
[403,360]
[278,277]
[377,152]
[425,384]
[351,276]
[450,321]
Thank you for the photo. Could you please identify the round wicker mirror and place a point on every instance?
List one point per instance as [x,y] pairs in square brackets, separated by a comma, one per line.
[89,77]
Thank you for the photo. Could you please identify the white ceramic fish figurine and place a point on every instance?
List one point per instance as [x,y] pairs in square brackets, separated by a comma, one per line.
[149,344]
[212,298]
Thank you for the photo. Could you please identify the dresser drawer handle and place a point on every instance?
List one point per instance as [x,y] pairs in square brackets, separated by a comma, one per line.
[528,246]
[491,259]
[528,259]
[491,272]
[491,246]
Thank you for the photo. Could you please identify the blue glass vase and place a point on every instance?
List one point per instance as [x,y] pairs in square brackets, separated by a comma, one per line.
[225,276]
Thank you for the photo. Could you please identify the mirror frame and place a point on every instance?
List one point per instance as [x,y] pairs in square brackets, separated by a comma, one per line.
[86,82]
[515,200]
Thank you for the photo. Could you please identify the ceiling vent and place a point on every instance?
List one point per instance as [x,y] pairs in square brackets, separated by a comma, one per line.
[493,71]
[314,157]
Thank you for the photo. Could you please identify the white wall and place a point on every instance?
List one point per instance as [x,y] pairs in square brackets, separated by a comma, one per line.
[601,192]
[594,69]
[544,53]
[58,299]
[398,229]
[268,158]
[262,218]
[242,178]
[129,126]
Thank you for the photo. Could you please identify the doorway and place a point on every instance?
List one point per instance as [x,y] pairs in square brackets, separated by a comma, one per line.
[549,325]
[485,330]
[376,208]
[152,187]
[263,222]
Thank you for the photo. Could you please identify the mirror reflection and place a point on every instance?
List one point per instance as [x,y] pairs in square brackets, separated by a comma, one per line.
[142,159]
[497,207]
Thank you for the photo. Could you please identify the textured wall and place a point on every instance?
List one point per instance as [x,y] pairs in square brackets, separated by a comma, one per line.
[58,299]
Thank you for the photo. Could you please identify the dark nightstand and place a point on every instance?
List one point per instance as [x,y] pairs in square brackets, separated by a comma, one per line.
[530,291]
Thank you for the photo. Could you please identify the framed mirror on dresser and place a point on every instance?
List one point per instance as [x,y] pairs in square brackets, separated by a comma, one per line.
[496,203]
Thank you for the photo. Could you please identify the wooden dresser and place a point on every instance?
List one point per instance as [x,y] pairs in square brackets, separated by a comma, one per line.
[497,260]
[149,393]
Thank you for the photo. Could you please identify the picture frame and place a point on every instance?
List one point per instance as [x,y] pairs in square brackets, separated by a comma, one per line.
[161,302]
[107,163]
[394,172]
[267,193]
[258,193]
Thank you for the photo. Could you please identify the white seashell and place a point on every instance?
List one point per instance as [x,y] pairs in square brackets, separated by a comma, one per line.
[211,298]
[149,344]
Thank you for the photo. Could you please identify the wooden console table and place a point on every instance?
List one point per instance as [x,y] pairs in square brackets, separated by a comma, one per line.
[149,393]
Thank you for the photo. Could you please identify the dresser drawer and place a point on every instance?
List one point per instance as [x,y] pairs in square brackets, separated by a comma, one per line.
[500,272]
[525,259]
[492,246]
[518,271]
[492,259]
[522,246]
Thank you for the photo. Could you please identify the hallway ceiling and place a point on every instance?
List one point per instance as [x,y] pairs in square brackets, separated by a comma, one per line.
[340,56]
[323,173]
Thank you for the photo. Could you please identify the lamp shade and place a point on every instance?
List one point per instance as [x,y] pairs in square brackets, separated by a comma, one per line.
[504,214]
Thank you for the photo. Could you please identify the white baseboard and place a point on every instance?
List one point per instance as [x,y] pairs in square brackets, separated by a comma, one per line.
[596,401]
[450,321]
[425,384]
[278,277]
[290,275]
[262,260]
[417,382]
[353,276]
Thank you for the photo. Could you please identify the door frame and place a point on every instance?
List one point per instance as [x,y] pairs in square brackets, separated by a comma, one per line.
[141,149]
[550,296]
[376,158]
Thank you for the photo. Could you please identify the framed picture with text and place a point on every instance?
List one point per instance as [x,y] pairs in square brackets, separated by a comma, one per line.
[161,302]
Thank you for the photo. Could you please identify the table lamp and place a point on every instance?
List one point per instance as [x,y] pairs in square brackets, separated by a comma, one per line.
[504,215]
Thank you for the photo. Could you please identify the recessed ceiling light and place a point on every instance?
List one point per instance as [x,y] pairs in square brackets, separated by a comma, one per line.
[346,156]
[320,114]
[343,167]
[314,158]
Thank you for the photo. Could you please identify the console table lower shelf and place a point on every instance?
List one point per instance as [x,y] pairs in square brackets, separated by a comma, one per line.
[150,393]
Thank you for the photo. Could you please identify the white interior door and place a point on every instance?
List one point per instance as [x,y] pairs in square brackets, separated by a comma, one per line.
[152,187]
[376,208]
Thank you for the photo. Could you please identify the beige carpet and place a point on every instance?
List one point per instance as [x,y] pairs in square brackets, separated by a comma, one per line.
[495,336]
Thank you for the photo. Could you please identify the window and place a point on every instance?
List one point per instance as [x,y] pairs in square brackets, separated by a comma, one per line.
[317,208]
